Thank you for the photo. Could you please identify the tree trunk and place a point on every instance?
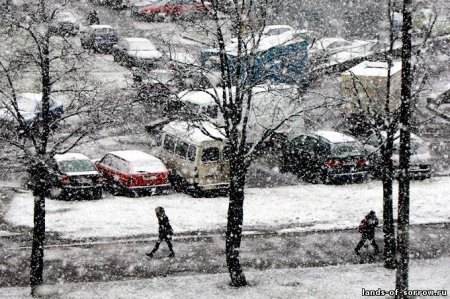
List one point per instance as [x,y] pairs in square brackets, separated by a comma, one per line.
[388,214]
[37,249]
[405,136]
[235,221]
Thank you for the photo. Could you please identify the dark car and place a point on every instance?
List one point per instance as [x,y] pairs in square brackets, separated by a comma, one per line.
[75,176]
[100,38]
[325,156]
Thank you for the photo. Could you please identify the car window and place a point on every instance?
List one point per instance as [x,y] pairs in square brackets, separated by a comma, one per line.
[210,154]
[169,143]
[107,160]
[298,141]
[192,152]
[310,144]
[120,165]
[76,166]
[343,149]
[181,149]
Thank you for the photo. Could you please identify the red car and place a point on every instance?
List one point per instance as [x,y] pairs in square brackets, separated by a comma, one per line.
[173,9]
[133,172]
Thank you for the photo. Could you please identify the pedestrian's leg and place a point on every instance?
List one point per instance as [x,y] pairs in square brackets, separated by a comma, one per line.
[375,246]
[169,244]
[360,244]
[150,254]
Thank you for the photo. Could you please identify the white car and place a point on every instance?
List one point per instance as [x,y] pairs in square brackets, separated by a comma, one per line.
[139,52]
[29,107]
[64,22]
[420,159]
[338,50]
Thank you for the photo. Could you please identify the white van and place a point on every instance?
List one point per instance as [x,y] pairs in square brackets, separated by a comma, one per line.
[270,106]
[196,161]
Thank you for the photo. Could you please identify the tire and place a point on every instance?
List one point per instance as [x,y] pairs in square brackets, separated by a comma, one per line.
[55,192]
[97,193]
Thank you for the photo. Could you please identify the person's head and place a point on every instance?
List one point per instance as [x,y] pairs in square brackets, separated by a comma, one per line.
[159,211]
[372,213]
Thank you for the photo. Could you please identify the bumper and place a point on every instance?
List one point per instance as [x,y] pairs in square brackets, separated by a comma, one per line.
[347,176]
[209,187]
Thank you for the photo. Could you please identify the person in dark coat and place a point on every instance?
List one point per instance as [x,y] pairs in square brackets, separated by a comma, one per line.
[93,18]
[165,232]
[367,230]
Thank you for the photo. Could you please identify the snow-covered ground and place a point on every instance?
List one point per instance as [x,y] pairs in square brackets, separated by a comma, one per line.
[291,208]
[346,281]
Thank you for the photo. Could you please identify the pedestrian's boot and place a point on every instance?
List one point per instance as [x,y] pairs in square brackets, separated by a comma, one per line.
[172,254]
[149,254]
[356,251]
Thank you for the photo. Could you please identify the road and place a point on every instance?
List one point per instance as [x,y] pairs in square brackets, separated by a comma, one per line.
[122,259]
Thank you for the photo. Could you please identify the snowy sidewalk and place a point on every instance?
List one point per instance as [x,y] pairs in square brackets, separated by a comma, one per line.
[304,207]
[346,281]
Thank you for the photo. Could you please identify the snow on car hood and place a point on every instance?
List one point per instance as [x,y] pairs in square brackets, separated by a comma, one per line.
[145,54]
[82,173]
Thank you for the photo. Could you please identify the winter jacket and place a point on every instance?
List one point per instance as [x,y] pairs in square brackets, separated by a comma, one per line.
[367,226]
[165,228]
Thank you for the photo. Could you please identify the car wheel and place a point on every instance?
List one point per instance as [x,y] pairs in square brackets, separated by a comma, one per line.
[55,192]
[97,193]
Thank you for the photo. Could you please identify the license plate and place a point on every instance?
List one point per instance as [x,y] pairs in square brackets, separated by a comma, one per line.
[149,177]
[84,180]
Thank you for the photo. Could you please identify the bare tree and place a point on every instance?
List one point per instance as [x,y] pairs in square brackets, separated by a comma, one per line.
[53,65]
[405,141]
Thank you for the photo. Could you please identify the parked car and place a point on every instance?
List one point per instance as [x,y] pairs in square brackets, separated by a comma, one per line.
[64,23]
[174,9]
[29,106]
[338,49]
[420,159]
[198,163]
[99,38]
[138,52]
[137,6]
[325,156]
[75,176]
[133,172]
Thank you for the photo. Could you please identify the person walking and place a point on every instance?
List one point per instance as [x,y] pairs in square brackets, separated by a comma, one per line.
[367,230]
[93,18]
[165,232]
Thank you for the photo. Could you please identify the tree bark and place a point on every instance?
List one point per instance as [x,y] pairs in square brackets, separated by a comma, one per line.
[405,136]
[37,248]
[388,214]
[235,221]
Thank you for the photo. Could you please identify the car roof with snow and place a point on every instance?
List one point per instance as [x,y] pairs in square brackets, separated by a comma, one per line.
[193,134]
[134,155]
[70,157]
[101,27]
[335,137]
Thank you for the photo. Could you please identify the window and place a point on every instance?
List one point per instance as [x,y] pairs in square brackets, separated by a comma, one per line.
[192,151]
[169,143]
[76,166]
[343,149]
[120,165]
[181,149]
[210,154]
[310,144]
[107,161]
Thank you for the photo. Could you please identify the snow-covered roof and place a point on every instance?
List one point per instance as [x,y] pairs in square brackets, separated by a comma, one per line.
[101,27]
[70,157]
[323,43]
[374,69]
[335,137]
[134,155]
[205,98]
[193,134]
